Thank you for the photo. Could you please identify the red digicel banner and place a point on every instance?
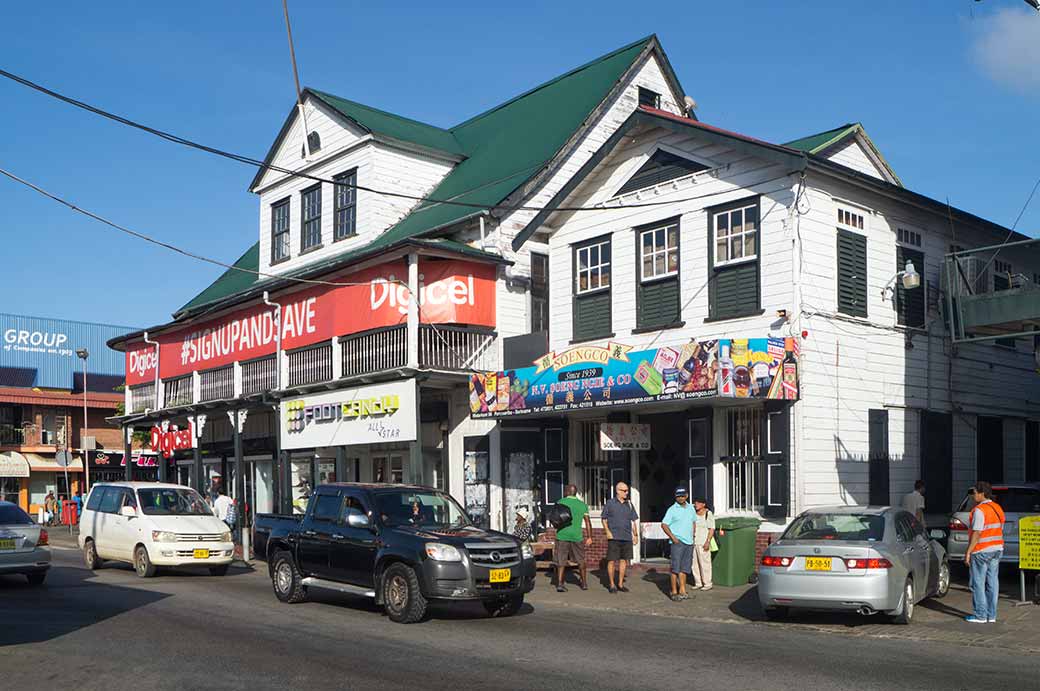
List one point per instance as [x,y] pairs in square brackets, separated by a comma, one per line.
[450,292]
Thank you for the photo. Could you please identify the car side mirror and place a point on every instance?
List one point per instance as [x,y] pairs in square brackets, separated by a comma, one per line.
[128,511]
[359,520]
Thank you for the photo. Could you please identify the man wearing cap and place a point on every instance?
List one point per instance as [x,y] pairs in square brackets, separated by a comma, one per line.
[678,526]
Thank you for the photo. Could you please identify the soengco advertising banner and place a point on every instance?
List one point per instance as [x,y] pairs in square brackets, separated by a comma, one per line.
[450,292]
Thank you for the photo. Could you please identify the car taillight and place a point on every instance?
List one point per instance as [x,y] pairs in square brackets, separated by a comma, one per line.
[775,561]
[44,539]
[851,564]
[957,524]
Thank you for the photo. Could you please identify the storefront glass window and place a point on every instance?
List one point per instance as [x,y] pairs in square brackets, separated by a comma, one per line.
[302,484]
[595,473]
[326,470]
[389,468]
[264,486]
[39,486]
[9,489]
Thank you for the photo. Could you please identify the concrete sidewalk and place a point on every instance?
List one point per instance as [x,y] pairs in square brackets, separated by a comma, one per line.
[1018,628]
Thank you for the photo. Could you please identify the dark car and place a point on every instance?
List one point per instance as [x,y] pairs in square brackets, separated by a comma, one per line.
[403,545]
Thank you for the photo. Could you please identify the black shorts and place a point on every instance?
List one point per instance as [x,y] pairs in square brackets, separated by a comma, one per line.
[619,549]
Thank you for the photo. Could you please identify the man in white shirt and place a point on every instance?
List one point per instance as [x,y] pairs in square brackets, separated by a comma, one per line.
[222,504]
[913,502]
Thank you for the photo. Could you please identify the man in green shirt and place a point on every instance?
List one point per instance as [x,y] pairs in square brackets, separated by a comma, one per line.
[570,542]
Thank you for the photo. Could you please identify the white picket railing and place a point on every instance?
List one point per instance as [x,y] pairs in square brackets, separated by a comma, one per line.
[310,365]
[259,376]
[177,392]
[217,384]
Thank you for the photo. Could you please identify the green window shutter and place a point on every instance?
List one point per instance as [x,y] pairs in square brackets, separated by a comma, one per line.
[658,303]
[592,316]
[910,304]
[733,292]
[852,273]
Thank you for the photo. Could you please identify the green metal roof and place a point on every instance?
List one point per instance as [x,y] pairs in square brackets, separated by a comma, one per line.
[382,122]
[815,143]
[508,144]
[502,148]
[231,281]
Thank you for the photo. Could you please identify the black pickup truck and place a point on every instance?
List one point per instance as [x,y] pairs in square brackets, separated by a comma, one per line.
[400,544]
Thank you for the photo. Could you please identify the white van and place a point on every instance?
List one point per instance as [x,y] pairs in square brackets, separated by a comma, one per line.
[151,524]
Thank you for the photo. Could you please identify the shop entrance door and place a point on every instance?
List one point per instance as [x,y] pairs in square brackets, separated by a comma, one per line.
[666,465]
[520,452]
[937,461]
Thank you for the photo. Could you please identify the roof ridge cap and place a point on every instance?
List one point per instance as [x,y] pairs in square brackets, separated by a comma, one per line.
[590,63]
[325,94]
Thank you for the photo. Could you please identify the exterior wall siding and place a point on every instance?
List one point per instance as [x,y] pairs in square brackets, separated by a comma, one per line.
[852,155]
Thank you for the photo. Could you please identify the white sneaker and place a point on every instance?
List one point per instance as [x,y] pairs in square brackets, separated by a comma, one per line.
[992,621]
[705,587]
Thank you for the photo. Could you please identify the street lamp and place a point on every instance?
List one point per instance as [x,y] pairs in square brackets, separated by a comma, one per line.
[83,354]
[909,277]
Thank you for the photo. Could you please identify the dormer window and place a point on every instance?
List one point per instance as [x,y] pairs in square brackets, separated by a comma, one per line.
[649,97]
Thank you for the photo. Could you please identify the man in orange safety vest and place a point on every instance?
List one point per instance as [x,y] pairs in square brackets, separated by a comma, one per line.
[985,548]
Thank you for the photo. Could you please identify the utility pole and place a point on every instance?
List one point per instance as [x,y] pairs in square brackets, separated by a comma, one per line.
[83,354]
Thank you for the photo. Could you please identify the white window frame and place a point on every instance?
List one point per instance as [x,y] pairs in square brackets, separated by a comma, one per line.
[910,233]
[728,213]
[655,251]
[592,269]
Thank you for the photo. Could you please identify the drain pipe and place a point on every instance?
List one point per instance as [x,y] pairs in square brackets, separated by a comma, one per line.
[277,340]
[156,344]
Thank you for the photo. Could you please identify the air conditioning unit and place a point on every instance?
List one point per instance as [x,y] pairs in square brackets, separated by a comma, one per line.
[969,275]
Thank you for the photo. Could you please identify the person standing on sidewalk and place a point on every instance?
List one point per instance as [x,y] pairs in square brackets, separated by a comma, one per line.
[913,502]
[677,524]
[620,521]
[985,548]
[703,534]
[571,542]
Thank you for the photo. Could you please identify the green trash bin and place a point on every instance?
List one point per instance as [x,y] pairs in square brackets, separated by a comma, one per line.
[734,563]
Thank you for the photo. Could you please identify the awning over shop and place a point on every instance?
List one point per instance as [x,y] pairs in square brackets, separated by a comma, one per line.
[41,464]
[13,464]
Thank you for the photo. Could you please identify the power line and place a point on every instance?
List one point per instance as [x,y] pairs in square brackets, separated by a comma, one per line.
[203,258]
[1010,233]
[183,141]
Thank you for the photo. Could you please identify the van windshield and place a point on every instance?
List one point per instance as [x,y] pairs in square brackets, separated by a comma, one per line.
[853,527]
[429,509]
[1011,499]
[173,501]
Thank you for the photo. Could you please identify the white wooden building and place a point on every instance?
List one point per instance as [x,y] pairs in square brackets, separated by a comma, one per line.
[614,216]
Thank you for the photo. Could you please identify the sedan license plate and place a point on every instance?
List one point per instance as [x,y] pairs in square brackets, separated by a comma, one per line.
[201,554]
[817,563]
[6,545]
[500,575]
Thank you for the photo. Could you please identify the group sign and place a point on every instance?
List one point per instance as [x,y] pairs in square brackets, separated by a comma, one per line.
[450,292]
[615,374]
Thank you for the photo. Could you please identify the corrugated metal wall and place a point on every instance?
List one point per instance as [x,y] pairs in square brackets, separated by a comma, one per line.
[36,351]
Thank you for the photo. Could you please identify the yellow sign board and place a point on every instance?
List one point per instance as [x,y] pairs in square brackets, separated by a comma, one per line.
[1029,542]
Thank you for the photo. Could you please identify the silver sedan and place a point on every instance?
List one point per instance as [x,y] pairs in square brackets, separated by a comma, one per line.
[864,559]
[23,545]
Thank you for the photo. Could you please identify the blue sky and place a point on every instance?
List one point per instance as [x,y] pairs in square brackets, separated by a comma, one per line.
[948,89]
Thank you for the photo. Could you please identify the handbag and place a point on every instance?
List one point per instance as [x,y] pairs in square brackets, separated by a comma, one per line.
[558,516]
[714,546]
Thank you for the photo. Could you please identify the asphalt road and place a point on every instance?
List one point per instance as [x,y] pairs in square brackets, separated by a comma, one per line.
[111,630]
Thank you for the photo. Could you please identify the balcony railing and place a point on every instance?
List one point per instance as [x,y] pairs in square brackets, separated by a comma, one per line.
[142,396]
[745,483]
[457,348]
[16,435]
[375,351]
[217,384]
[259,376]
[177,392]
[311,365]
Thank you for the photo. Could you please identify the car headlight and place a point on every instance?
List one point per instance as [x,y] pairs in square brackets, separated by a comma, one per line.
[526,551]
[163,536]
[225,536]
[439,552]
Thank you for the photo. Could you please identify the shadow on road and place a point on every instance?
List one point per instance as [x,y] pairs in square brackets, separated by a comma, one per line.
[748,607]
[68,601]
[458,611]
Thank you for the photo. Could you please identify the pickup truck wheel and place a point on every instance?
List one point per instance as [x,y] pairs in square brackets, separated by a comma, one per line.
[142,564]
[402,597]
[90,556]
[506,607]
[287,579]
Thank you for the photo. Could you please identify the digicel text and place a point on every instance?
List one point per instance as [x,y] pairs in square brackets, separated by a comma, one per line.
[451,290]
